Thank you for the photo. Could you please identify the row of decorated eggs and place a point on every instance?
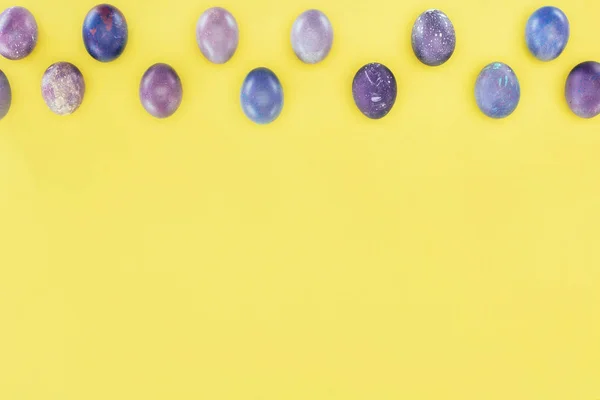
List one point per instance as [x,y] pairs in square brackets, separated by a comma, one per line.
[374,88]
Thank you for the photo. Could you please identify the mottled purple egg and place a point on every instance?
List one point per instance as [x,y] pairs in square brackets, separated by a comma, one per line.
[374,90]
[5,95]
[497,90]
[582,90]
[312,36]
[217,35]
[63,88]
[161,91]
[433,38]
[18,33]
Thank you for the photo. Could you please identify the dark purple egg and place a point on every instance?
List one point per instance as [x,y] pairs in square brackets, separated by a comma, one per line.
[582,90]
[18,33]
[63,88]
[161,91]
[374,90]
[433,38]
[105,32]
[5,95]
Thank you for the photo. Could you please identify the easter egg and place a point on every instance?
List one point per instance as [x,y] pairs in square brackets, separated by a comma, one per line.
[161,91]
[5,95]
[547,33]
[582,90]
[262,96]
[433,38]
[105,33]
[374,90]
[18,33]
[63,88]
[312,36]
[217,35]
[497,90]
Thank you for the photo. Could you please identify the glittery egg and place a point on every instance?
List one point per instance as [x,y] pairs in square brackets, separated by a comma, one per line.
[18,33]
[105,32]
[433,38]
[374,90]
[497,90]
[5,95]
[547,33]
[262,96]
[312,36]
[161,91]
[582,89]
[217,35]
[63,88]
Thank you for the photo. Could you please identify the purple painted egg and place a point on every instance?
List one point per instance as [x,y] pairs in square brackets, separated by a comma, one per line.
[5,95]
[374,90]
[312,36]
[217,35]
[63,88]
[161,91]
[433,38]
[18,33]
[582,90]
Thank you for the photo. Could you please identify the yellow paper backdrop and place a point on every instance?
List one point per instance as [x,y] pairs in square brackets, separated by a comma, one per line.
[434,254]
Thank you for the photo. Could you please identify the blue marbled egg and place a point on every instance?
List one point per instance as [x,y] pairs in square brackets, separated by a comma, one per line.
[547,33]
[262,96]
[105,32]
[497,90]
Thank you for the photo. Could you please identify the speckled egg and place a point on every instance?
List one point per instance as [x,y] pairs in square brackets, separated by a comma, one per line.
[312,36]
[105,32]
[433,38]
[217,35]
[497,90]
[547,33]
[18,33]
[582,89]
[63,88]
[5,95]
[262,96]
[161,91]
[374,90]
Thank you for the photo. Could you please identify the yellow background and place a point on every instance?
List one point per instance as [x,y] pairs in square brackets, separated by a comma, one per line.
[434,254]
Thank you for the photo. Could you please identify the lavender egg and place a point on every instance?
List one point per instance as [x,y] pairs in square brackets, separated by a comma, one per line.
[217,35]
[433,38]
[63,88]
[582,90]
[312,36]
[5,95]
[18,33]
[161,91]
